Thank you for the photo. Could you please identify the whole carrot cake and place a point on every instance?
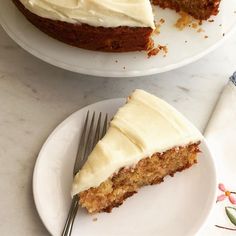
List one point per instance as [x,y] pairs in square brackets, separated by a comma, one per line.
[106,25]
[146,141]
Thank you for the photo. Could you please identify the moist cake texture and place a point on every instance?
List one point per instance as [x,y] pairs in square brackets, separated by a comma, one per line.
[106,31]
[106,25]
[199,9]
[151,170]
[146,141]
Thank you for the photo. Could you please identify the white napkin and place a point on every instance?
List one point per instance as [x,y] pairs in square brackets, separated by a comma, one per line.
[221,136]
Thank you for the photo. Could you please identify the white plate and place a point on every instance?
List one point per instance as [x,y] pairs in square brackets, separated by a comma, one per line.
[122,64]
[179,206]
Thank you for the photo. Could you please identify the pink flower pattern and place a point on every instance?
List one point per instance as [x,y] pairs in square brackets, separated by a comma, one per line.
[226,194]
[230,195]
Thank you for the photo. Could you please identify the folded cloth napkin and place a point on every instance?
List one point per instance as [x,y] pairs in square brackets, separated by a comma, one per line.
[221,136]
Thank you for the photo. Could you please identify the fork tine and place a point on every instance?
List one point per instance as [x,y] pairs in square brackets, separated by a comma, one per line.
[97,132]
[104,130]
[89,141]
[84,148]
[92,139]
[73,208]
[80,151]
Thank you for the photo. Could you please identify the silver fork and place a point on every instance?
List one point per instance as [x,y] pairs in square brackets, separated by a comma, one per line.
[87,142]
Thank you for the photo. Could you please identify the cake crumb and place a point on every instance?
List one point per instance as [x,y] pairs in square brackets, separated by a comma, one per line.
[116,61]
[158,26]
[183,21]
[156,50]
[157,30]
[186,20]
[200,30]
[162,21]
[194,25]
[211,20]
[95,219]
[206,37]
[164,48]
[153,52]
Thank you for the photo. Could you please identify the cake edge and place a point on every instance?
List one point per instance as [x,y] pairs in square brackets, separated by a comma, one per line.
[84,196]
[117,39]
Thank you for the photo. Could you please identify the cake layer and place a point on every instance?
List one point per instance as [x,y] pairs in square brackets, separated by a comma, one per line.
[199,9]
[120,39]
[106,25]
[105,13]
[112,192]
[143,126]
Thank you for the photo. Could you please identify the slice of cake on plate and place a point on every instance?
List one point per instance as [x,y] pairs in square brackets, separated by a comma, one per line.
[106,25]
[147,140]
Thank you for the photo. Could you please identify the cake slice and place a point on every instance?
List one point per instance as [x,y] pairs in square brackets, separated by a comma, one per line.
[146,141]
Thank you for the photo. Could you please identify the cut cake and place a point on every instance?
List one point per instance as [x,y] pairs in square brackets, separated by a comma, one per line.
[106,25]
[146,141]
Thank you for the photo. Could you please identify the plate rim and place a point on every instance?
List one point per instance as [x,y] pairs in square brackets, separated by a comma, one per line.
[116,74]
[70,117]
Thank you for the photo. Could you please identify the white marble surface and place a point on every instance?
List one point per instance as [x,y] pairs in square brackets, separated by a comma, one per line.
[35,97]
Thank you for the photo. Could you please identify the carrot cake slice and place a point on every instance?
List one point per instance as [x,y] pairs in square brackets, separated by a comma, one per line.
[147,140]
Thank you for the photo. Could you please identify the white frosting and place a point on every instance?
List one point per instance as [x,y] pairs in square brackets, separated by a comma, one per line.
[106,13]
[142,127]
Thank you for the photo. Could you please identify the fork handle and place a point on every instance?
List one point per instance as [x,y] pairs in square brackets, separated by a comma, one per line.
[71,217]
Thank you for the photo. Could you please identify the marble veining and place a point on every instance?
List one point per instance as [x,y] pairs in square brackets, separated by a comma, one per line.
[35,97]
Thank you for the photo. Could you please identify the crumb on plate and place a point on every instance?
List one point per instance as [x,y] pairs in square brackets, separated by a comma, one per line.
[194,25]
[156,50]
[200,30]
[183,21]
[158,26]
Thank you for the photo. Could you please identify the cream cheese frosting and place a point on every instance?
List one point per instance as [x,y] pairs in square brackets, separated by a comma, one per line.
[143,126]
[106,13]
